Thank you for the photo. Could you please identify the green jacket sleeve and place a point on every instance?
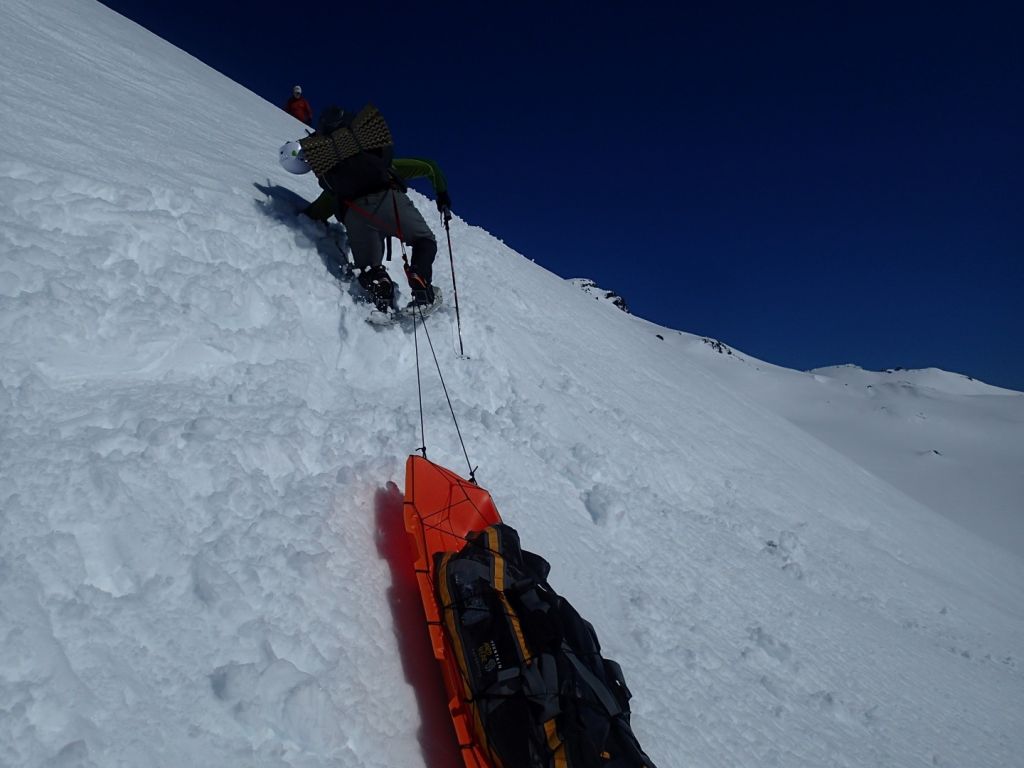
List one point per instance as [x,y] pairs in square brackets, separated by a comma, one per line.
[322,208]
[418,168]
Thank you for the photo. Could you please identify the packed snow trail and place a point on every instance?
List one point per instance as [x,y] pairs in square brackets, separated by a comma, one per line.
[197,422]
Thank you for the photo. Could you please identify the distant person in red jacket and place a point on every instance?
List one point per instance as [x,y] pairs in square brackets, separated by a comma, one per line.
[299,107]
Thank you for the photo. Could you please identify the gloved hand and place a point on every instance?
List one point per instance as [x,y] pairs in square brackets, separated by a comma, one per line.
[444,205]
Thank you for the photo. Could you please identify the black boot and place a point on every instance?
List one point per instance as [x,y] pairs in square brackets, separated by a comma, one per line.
[423,297]
[379,287]
[422,290]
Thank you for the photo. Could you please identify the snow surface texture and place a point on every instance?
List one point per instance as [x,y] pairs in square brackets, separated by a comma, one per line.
[199,429]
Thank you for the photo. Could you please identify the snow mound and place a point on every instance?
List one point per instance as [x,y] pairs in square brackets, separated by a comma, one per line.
[925,378]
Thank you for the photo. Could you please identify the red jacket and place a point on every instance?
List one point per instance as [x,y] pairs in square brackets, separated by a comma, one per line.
[299,107]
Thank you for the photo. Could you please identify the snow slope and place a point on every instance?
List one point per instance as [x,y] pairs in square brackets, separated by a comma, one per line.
[199,431]
[951,442]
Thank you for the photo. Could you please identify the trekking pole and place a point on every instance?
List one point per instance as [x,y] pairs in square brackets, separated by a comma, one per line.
[455,289]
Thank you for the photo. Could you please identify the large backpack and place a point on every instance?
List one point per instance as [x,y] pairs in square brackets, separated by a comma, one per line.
[351,153]
[532,671]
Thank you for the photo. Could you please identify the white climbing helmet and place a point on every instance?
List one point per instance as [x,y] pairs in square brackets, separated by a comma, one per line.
[292,158]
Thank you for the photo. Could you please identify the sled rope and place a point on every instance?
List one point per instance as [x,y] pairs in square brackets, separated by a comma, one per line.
[419,390]
[418,315]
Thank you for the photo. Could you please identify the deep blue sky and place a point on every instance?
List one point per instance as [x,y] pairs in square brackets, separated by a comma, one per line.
[813,183]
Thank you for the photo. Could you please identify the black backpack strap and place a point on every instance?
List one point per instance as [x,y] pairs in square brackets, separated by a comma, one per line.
[606,697]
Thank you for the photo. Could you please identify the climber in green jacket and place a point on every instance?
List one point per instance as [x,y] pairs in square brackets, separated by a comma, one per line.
[372,217]
[406,168]
[352,157]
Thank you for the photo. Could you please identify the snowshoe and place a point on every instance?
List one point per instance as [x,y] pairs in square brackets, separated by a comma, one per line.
[424,302]
[382,317]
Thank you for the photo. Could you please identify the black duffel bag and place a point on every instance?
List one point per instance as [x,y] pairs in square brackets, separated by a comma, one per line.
[541,694]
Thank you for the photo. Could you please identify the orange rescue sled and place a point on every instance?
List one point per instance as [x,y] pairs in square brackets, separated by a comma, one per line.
[440,509]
